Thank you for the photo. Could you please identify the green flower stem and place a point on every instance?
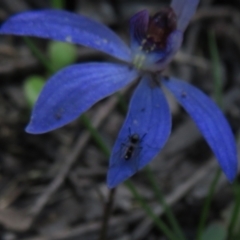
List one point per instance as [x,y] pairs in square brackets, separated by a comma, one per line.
[159,195]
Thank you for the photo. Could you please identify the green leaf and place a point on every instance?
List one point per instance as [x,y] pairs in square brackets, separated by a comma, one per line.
[32,87]
[215,231]
[61,54]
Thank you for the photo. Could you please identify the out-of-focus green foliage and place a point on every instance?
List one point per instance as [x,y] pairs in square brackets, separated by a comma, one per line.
[32,87]
[59,4]
[215,231]
[61,54]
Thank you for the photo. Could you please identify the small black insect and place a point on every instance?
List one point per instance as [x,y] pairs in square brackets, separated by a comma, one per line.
[134,140]
[132,146]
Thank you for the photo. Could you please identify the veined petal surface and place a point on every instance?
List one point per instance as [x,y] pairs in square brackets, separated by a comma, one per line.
[138,28]
[184,10]
[210,121]
[74,90]
[68,27]
[144,132]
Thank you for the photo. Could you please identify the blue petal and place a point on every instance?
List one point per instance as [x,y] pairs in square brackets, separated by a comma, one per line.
[149,119]
[68,27]
[211,122]
[73,90]
[184,10]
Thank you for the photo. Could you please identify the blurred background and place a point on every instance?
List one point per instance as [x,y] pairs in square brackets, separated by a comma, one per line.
[53,186]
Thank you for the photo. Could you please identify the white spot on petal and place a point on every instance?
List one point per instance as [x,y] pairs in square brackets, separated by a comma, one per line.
[69,39]
[135,122]
[105,40]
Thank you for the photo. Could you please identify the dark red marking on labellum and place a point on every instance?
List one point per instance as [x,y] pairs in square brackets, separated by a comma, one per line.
[160,26]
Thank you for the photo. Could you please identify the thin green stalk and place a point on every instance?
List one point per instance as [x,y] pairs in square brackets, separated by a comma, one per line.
[38,54]
[159,223]
[59,4]
[235,211]
[218,92]
[159,195]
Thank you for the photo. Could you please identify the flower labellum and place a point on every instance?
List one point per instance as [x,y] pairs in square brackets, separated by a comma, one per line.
[160,26]
[154,45]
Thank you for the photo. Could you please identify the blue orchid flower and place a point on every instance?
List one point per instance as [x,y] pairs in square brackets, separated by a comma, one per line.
[154,41]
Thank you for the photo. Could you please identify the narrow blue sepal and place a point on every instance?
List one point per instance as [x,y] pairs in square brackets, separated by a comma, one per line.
[68,27]
[184,10]
[148,125]
[74,90]
[210,121]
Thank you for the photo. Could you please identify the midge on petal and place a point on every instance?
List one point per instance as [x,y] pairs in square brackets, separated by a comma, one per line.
[131,146]
[154,40]
[128,151]
[126,155]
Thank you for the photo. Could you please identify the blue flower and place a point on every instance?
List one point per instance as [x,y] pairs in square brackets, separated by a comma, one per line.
[154,41]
